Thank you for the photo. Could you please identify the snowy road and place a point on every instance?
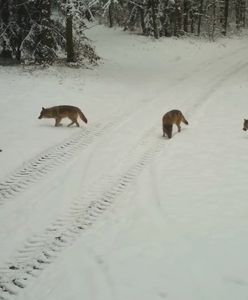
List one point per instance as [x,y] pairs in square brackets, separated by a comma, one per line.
[113,210]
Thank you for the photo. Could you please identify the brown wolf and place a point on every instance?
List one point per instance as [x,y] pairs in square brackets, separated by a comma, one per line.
[63,111]
[245,126]
[172,117]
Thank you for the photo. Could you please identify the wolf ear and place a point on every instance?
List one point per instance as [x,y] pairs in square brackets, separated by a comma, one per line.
[43,108]
[245,120]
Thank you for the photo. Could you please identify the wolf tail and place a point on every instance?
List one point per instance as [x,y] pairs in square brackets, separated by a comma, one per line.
[185,121]
[82,116]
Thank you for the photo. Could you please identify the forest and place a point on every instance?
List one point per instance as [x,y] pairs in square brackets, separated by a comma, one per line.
[48,31]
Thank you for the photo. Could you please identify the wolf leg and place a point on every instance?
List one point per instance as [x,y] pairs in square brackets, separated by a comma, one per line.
[169,131]
[73,121]
[57,121]
[164,130]
[70,124]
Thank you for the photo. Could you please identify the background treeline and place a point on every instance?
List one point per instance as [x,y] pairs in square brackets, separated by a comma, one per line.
[179,17]
[44,31]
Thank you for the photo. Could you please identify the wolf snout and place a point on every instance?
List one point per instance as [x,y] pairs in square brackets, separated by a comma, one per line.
[244,129]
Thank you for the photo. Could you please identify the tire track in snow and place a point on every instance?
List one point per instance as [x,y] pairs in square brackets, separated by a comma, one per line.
[41,250]
[205,99]
[34,169]
[239,66]
[44,162]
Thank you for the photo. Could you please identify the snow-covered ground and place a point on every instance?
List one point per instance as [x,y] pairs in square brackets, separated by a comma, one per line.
[112,210]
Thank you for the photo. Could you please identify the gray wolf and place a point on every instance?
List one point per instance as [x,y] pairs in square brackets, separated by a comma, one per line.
[172,117]
[63,111]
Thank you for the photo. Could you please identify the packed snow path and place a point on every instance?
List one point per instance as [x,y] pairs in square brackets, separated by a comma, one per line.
[73,191]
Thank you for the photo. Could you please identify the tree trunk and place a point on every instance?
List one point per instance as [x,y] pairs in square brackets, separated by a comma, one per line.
[142,20]
[69,39]
[200,18]
[226,10]
[213,23]
[111,14]
[177,20]
[186,16]
[192,26]
[240,8]
[154,19]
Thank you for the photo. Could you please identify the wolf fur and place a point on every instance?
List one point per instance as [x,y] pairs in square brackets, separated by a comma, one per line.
[63,111]
[172,117]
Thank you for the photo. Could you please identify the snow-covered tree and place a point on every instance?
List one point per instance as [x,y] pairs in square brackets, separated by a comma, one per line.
[173,17]
[26,30]
[30,33]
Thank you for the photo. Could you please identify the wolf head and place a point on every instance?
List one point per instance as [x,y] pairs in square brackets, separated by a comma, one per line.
[245,126]
[44,113]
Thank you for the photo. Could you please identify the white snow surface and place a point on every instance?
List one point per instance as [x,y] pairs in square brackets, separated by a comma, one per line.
[112,210]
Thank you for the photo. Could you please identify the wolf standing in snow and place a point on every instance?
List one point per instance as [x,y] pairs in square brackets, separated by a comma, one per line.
[245,126]
[172,117]
[63,111]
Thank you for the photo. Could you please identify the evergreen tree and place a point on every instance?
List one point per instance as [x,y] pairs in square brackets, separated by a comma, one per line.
[30,34]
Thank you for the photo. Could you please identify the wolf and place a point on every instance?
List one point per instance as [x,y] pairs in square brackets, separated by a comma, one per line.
[63,111]
[245,126]
[172,117]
